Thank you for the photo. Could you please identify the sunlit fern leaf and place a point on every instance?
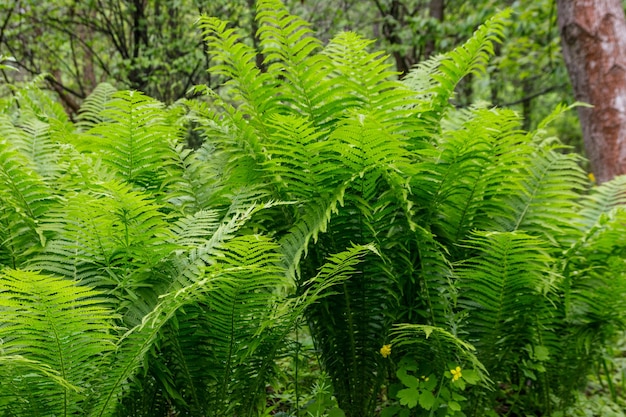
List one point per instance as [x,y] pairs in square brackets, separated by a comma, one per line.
[364,141]
[368,80]
[193,178]
[33,99]
[25,200]
[59,325]
[295,157]
[447,71]
[502,286]
[547,205]
[191,263]
[111,238]
[193,230]
[31,136]
[91,110]
[292,54]
[482,156]
[134,142]
[234,150]
[237,62]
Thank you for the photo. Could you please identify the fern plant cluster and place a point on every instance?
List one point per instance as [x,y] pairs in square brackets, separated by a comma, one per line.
[144,278]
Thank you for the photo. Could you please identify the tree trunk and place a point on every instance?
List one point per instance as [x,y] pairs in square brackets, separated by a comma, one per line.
[436,9]
[593,37]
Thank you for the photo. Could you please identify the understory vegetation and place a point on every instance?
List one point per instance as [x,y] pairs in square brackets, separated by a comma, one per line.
[341,243]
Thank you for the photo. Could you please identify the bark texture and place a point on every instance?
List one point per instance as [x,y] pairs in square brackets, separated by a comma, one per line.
[593,37]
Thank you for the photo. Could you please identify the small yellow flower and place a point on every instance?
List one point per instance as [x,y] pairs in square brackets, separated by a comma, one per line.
[385,350]
[425,378]
[456,373]
[592,177]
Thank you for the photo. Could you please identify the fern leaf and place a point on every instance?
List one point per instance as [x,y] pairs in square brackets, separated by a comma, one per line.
[446,71]
[52,322]
[501,287]
[135,142]
[547,206]
[92,108]
[602,199]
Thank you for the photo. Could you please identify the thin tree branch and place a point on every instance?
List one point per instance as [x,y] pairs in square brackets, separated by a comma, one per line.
[532,96]
[6,21]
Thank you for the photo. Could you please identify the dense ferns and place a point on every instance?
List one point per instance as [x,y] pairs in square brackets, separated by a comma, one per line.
[145,278]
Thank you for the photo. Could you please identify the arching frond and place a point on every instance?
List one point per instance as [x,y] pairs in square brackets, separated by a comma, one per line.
[134,143]
[111,238]
[502,288]
[603,199]
[237,61]
[91,111]
[290,51]
[446,71]
[547,206]
[25,199]
[480,160]
[62,336]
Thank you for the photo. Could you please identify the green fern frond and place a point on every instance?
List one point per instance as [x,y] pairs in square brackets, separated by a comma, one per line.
[348,325]
[193,178]
[111,238]
[25,200]
[193,230]
[502,288]
[480,161]
[91,110]
[418,340]
[290,52]
[367,79]
[135,141]
[469,58]
[602,199]
[236,296]
[59,325]
[237,62]
[295,156]
[34,100]
[547,205]
[429,293]
[312,222]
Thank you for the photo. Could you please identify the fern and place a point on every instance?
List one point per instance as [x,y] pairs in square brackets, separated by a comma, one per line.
[135,142]
[603,199]
[92,108]
[548,204]
[57,329]
[113,239]
[501,288]
[25,199]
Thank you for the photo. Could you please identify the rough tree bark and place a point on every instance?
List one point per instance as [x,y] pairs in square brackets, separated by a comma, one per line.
[593,37]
